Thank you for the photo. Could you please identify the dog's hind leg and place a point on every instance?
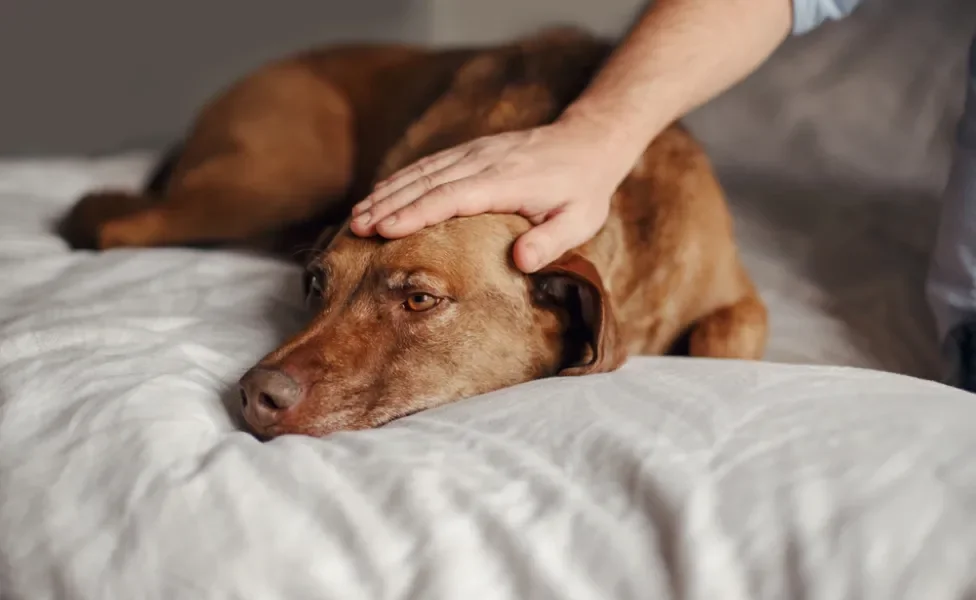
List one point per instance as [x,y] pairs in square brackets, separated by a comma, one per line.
[737,330]
[274,152]
[225,213]
[224,197]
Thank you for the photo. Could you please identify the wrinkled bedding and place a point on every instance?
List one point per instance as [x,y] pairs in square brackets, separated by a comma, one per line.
[124,475]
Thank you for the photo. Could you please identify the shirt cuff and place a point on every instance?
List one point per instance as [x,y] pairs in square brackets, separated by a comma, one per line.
[810,14]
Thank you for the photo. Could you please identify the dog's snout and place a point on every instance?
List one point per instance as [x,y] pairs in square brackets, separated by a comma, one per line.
[265,393]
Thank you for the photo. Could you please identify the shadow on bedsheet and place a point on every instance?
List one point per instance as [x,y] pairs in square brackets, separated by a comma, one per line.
[863,252]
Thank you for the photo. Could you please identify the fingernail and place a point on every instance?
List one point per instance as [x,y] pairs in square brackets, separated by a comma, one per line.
[363,219]
[363,205]
[392,219]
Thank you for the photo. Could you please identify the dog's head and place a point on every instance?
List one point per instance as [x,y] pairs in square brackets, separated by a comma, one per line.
[405,325]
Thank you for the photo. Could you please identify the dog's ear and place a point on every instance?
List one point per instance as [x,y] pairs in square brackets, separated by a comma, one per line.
[591,337]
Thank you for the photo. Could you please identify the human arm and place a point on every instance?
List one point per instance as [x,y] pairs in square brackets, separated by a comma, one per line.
[680,54]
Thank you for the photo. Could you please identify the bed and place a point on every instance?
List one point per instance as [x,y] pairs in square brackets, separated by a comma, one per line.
[837,468]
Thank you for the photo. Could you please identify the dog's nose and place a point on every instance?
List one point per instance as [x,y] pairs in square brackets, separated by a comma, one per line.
[265,393]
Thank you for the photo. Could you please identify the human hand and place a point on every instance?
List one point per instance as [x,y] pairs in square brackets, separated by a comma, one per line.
[559,176]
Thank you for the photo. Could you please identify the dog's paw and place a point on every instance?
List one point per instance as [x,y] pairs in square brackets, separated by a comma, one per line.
[88,225]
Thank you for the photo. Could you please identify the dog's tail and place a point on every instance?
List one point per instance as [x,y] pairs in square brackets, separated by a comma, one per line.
[160,176]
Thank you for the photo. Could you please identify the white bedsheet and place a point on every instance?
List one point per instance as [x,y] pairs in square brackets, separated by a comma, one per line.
[123,475]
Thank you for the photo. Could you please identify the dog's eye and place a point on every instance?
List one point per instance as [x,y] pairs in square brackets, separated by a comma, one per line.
[313,287]
[420,302]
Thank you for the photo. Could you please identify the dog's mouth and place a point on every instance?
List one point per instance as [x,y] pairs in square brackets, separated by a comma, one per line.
[403,415]
[382,417]
[335,422]
[342,421]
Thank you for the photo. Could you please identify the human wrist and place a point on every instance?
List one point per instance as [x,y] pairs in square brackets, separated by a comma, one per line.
[614,141]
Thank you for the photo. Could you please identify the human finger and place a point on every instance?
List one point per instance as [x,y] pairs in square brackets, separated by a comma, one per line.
[459,198]
[409,174]
[364,223]
[551,239]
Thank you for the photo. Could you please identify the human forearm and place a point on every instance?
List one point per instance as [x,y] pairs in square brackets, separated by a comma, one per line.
[680,54]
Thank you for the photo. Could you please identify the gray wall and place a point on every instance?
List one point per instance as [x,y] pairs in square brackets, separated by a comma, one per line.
[96,76]
[102,75]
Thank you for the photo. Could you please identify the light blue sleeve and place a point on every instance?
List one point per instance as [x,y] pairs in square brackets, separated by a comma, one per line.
[810,14]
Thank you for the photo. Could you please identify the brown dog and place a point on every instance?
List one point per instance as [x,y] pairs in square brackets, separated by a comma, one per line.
[409,324]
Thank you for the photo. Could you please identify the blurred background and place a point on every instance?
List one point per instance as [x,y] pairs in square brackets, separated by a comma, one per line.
[876,93]
[104,75]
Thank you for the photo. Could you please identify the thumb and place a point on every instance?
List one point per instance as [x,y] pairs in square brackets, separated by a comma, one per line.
[548,241]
